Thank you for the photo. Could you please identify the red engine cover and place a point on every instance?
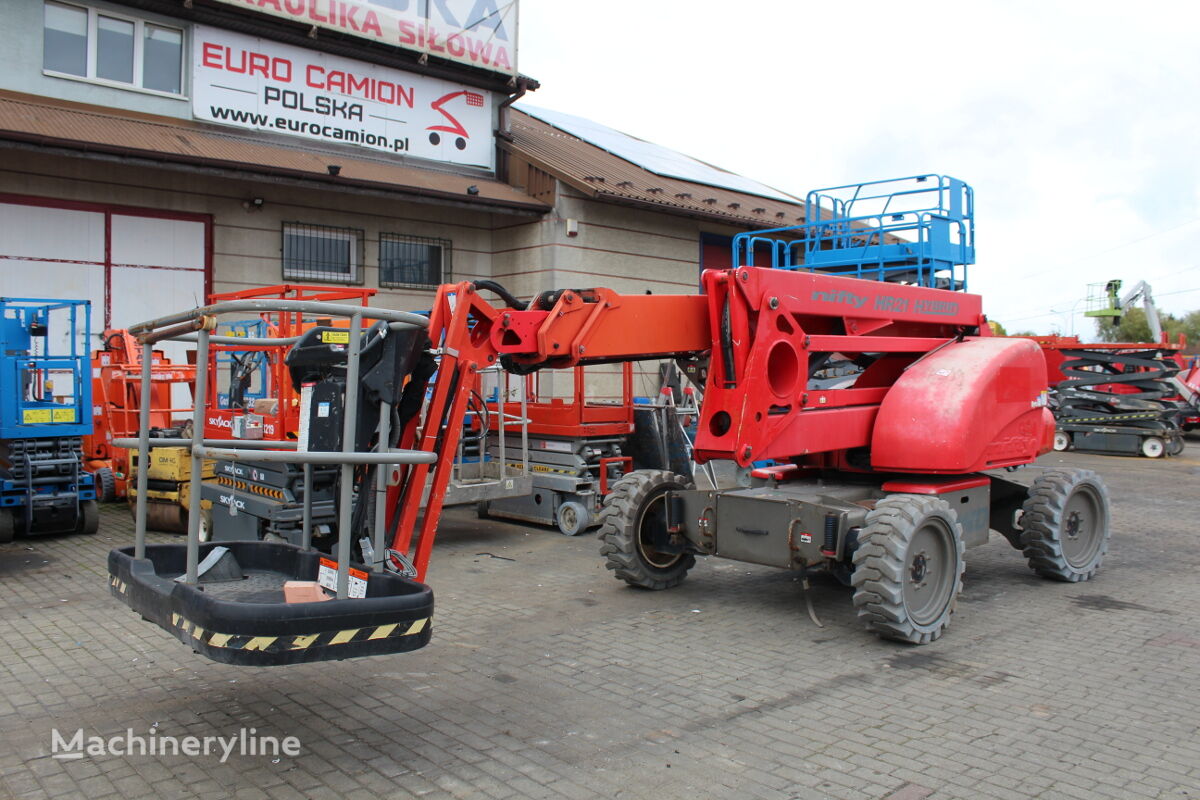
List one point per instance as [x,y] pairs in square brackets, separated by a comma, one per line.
[974,405]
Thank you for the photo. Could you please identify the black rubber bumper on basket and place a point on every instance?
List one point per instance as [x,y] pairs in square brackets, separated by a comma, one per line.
[394,617]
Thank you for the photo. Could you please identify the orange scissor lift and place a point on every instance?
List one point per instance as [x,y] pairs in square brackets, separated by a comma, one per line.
[116,400]
[577,448]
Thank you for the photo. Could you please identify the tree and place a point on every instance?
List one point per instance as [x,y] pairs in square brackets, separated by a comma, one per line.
[1134,328]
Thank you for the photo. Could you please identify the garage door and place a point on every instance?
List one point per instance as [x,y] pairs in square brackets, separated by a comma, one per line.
[132,264]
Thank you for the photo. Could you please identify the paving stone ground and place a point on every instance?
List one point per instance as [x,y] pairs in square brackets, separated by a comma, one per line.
[547,678]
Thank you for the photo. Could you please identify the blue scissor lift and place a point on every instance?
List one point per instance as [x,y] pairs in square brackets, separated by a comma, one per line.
[45,409]
[918,230]
[246,370]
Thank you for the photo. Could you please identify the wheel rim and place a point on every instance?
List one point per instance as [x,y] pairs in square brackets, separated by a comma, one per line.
[1152,447]
[1061,442]
[654,517]
[568,518]
[1082,527]
[929,571]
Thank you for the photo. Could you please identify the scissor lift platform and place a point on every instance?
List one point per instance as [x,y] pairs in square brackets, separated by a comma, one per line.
[245,621]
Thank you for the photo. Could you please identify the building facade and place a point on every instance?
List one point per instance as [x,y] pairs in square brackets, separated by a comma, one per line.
[153,152]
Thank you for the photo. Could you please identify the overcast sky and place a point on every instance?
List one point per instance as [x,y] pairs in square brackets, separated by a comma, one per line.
[1077,123]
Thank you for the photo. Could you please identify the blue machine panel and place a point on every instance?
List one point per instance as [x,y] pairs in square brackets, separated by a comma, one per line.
[918,230]
[45,375]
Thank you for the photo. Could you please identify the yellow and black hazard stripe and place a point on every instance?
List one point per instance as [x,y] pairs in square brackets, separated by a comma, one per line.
[118,585]
[1109,418]
[544,469]
[253,488]
[389,633]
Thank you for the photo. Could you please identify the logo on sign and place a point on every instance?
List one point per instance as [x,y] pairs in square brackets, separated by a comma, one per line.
[473,99]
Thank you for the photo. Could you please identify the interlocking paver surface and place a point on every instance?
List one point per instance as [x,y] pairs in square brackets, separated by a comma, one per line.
[548,678]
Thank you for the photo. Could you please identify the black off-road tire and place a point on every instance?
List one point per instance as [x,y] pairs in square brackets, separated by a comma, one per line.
[89,518]
[1065,524]
[106,485]
[908,568]
[634,503]
[8,525]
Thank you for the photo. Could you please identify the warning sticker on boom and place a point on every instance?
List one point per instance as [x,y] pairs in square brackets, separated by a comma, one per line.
[335,337]
[327,577]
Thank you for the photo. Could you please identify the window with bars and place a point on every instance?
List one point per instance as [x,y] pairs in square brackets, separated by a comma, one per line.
[322,253]
[104,47]
[413,260]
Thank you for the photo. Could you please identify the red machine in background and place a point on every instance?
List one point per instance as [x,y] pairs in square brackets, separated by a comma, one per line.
[116,400]
[1188,384]
[1119,398]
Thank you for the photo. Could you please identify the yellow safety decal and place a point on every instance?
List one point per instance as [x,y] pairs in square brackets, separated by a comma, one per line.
[302,642]
[383,631]
[64,415]
[260,643]
[335,337]
[416,627]
[341,637]
[36,416]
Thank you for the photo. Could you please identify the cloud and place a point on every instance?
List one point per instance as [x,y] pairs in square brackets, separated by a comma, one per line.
[1077,124]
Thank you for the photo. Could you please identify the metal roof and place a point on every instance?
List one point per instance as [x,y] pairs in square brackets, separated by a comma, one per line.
[598,173]
[39,120]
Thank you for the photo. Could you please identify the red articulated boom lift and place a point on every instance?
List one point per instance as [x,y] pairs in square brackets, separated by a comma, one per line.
[883,477]
[882,482]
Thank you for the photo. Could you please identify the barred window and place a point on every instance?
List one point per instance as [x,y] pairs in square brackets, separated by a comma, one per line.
[413,260]
[322,253]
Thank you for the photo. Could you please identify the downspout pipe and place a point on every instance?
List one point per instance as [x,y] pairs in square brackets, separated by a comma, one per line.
[523,85]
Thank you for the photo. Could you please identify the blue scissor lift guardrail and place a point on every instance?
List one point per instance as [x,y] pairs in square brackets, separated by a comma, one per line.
[30,363]
[918,230]
[255,362]
[45,405]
